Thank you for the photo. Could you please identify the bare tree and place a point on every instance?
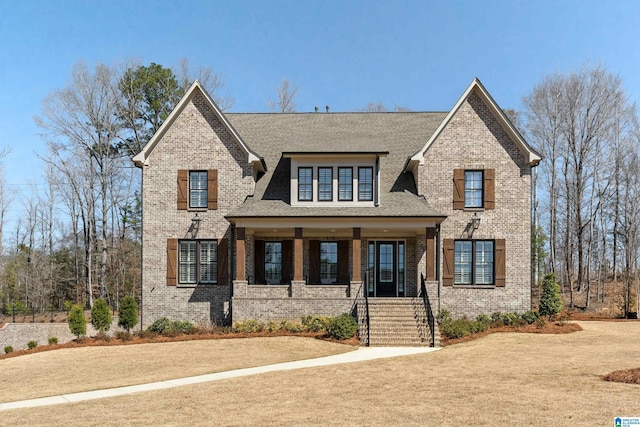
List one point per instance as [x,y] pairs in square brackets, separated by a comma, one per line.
[286,102]
[212,82]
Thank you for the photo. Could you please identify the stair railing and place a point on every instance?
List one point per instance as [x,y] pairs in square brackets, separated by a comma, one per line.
[427,307]
[361,304]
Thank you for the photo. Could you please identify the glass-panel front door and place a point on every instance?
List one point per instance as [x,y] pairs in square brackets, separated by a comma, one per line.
[386,273]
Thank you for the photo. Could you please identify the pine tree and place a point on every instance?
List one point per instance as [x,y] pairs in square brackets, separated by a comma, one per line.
[100,315]
[550,302]
[77,321]
[128,315]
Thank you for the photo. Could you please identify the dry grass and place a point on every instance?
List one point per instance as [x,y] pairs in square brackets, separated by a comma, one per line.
[501,379]
[71,370]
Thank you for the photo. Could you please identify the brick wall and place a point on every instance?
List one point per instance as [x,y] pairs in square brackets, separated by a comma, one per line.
[473,139]
[196,140]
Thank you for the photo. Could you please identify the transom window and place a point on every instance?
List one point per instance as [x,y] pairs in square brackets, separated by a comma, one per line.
[328,262]
[305,184]
[273,262]
[325,184]
[365,183]
[473,189]
[198,189]
[198,261]
[345,184]
[473,262]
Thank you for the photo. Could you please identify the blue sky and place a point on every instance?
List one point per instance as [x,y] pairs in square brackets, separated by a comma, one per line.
[416,54]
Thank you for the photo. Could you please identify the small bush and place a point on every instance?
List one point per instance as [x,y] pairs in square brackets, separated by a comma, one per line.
[124,335]
[273,326]
[292,327]
[509,319]
[530,316]
[100,315]
[128,313]
[183,327]
[53,340]
[562,319]
[540,322]
[8,349]
[443,316]
[455,328]
[160,325]
[77,322]
[32,344]
[483,318]
[476,327]
[496,317]
[315,323]
[342,327]
[146,334]
[248,326]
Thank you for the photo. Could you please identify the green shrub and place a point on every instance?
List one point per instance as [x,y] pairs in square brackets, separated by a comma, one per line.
[53,340]
[248,326]
[8,349]
[160,325]
[455,328]
[315,323]
[342,327]
[67,306]
[496,317]
[128,314]
[292,327]
[443,316]
[483,318]
[101,315]
[550,301]
[273,326]
[530,316]
[477,326]
[77,322]
[540,322]
[509,319]
[32,344]
[183,327]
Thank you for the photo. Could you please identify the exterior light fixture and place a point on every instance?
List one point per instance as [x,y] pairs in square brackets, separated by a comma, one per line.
[195,226]
[475,221]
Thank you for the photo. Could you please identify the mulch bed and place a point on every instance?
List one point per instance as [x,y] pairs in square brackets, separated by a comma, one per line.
[548,328]
[628,376]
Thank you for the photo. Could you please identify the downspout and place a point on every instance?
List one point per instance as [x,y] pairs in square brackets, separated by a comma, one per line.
[141,247]
[438,262]
[377,189]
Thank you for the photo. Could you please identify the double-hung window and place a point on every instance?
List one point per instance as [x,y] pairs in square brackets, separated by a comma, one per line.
[325,184]
[328,262]
[305,184]
[198,261]
[365,183]
[474,262]
[473,189]
[198,189]
[345,184]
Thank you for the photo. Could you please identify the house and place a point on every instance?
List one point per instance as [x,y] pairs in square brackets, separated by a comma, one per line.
[274,216]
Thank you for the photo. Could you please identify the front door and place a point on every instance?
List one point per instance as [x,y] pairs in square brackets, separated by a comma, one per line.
[386,269]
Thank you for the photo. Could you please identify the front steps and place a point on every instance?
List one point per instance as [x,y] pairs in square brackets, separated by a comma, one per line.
[400,322]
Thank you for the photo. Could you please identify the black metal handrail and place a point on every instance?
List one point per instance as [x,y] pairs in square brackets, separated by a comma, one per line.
[427,307]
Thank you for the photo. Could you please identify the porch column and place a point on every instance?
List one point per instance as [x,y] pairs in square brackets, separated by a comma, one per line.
[297,256]
[240,254]
[356,276]
[431,255]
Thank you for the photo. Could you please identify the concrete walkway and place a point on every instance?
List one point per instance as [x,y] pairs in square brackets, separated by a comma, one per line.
[360,355]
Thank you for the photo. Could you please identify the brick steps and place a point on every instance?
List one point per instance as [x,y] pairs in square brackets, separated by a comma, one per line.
[398,322]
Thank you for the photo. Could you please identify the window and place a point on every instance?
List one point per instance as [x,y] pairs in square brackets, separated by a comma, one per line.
[473,189]
[198,261]
[305,184]
[365,183]
[345,184]
[328,262]
[198,189]
[473,262]
[325,184]
[273,263]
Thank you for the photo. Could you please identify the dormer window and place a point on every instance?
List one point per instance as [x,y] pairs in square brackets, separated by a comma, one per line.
[325,184]
[345,184]
[365,183]
[305,184]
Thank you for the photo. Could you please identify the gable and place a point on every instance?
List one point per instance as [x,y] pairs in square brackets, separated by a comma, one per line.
[480,96]
[198,96]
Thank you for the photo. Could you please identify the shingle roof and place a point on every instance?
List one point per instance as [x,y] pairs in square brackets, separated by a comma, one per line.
[399,134]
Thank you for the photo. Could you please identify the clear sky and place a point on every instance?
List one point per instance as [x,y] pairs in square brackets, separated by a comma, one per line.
[416,54]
